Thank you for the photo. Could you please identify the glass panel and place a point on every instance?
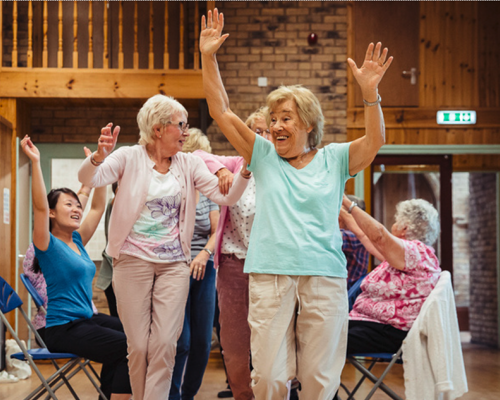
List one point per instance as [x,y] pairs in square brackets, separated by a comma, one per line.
[395,183]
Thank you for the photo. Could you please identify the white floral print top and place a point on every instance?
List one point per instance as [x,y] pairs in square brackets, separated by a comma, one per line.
[394,297]
[155,235]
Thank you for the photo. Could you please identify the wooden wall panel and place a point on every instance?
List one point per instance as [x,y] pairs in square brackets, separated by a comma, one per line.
[489,54]
[448,54]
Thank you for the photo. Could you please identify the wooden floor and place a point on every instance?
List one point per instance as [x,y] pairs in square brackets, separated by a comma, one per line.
[482,366]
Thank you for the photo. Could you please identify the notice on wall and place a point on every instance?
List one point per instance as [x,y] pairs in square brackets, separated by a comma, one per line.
[6,206]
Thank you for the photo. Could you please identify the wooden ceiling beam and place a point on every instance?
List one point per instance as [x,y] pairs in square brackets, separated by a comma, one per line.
[74,83]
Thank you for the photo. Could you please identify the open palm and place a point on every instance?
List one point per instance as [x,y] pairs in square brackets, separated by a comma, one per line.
[211,37]
[373,69]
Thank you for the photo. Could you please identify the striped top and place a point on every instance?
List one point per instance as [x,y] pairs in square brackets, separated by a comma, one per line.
[202,226]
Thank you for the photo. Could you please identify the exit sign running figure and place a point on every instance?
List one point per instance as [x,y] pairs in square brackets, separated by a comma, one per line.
[450,117]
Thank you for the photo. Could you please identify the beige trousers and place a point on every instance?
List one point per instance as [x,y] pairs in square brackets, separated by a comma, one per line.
[151,300]
[298,329]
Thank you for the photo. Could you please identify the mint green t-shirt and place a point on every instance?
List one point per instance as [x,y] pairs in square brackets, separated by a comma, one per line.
[296,229]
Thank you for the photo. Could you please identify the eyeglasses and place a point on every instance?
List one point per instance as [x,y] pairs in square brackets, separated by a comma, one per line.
[183,126]
[260,132]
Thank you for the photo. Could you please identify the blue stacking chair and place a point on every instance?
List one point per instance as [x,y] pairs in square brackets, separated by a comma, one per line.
[9,301]
[357,360]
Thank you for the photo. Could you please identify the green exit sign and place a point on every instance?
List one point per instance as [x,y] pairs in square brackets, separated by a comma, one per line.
[453,117]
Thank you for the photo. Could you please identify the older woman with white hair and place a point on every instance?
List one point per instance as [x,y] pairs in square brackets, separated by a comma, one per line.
[297,286]
[150,232]
[394,292]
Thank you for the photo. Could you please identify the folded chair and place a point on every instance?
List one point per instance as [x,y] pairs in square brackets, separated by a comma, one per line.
[357,361]
[9,301]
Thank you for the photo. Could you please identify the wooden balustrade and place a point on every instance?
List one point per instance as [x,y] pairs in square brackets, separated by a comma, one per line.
[46,51]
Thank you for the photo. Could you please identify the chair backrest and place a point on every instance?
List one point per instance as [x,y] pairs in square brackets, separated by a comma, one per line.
[32,291]
[9,300]
[354,291]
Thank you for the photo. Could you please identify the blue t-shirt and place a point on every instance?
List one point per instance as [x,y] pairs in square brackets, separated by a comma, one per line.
[69,280]
[296,229]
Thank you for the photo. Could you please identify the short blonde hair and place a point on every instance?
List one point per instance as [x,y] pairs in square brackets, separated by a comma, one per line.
[157,110]
[308,108]
[261,112]
[196,140]
[421,219]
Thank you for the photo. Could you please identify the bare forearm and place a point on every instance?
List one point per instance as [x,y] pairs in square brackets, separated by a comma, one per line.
[370,247]
[374,123]
[99,199]
[38,191]
[370,227]
[211,243]
[217,99]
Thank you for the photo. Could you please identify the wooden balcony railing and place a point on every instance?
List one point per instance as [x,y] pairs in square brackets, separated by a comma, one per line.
[68,40]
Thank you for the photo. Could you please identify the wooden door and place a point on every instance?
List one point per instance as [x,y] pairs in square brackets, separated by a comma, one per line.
[396,25]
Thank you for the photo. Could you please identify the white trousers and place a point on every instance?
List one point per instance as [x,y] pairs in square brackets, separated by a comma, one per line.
[298,329]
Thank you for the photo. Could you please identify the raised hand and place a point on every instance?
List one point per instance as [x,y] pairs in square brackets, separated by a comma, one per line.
[373,69]
[106,142]
[30,149]
[211,37]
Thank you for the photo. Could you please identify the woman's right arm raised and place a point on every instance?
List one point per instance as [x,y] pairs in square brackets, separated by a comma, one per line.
[41,232]
[235,130]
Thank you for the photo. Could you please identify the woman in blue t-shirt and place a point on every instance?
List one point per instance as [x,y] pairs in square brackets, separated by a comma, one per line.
[59,237]
[297,285]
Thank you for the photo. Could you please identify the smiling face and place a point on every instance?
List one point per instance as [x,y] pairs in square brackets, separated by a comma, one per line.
[67,214]
[171,137]
[289,133]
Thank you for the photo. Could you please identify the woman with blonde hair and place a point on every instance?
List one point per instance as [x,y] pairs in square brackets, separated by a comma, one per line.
[194,344]
[150,233]
[297,286]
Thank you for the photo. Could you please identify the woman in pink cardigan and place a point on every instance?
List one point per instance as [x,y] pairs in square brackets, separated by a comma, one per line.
[150,233]
[232,237]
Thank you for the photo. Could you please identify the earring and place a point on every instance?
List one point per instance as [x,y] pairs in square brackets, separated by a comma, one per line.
[159,137]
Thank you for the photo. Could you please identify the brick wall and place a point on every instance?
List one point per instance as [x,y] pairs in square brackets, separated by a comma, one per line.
[83,124]
[483,312]
[269,39]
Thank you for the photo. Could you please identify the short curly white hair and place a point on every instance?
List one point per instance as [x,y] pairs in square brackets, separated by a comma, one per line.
[157,110]
[420,218]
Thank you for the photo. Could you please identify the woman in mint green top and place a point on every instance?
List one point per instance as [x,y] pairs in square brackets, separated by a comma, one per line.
[297,286]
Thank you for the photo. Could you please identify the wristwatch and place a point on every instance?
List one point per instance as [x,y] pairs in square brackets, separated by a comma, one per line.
[208,251]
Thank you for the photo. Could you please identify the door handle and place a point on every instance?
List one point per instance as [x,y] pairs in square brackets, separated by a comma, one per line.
[413,73]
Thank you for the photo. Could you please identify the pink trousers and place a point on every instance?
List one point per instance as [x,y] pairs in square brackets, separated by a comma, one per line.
[232,288]
[151,300]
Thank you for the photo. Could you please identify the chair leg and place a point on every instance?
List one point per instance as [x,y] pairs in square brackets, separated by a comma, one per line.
[27,356]
[376,380]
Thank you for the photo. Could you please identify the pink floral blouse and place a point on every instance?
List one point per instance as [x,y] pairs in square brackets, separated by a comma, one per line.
[394,297]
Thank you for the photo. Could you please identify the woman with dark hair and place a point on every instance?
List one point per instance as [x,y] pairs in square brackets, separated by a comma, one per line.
[59,237]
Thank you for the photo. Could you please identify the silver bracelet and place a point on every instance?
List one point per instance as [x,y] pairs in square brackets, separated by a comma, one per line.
[208,251]
[379,99]
[353,204]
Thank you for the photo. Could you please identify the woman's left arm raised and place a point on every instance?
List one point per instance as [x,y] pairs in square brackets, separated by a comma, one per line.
[390,247]
[362,151]
[91,221]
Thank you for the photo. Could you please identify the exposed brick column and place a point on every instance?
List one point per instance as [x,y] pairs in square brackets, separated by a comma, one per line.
[483,311]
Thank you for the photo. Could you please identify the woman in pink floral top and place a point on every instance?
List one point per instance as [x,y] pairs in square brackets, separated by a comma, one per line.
[393,293]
